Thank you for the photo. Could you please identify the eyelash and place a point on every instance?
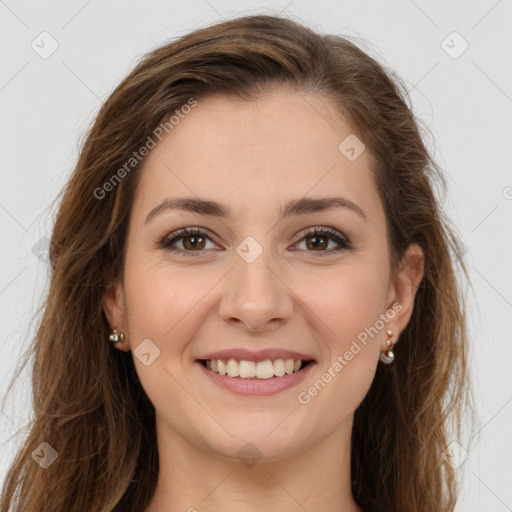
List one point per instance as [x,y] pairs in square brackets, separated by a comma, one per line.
[343,241]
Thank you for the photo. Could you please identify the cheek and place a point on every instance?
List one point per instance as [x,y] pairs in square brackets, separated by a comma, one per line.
[349,309]
[346,302]
[160,296]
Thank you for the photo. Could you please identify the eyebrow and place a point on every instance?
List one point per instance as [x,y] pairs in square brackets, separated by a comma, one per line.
[300,206]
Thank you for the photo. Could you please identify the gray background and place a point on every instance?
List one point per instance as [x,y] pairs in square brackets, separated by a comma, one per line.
[466,101]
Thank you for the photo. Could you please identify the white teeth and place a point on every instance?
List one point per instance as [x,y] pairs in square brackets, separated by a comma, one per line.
[252,369]
[221,367]
[264,369]
[247,369]
[232,368]
[279,367]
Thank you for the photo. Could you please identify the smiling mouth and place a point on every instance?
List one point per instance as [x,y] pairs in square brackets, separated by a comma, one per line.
[252,370]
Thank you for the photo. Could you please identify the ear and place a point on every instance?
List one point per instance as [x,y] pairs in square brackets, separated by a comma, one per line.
[114,307]
[403,288]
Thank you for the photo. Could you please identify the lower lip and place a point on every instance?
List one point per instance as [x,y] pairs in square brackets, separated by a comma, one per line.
[257,387]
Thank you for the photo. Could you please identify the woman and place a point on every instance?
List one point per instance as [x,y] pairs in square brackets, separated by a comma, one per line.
[252,300]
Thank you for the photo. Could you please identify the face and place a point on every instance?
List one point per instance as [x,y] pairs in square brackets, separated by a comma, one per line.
[256,279]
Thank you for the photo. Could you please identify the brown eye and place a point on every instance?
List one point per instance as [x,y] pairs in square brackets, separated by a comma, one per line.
[317,240]
[193,240]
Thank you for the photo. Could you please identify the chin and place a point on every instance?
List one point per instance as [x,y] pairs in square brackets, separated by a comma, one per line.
[259,441]
[251,451]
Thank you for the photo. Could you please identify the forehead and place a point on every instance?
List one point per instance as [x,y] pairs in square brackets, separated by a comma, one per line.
[249,154]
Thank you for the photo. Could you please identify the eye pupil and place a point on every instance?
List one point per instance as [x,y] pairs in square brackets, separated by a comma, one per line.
[194,239]
[193,242]
[315,244]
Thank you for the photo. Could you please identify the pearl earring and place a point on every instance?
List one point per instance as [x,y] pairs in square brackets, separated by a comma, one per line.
[388,357]
[116,337]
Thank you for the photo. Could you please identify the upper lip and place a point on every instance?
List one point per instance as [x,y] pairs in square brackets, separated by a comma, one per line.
[260,355]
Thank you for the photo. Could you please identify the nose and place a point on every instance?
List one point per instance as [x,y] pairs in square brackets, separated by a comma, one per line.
[256,295]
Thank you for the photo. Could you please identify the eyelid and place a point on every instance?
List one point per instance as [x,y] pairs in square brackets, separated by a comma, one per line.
[344,243]
[165,241]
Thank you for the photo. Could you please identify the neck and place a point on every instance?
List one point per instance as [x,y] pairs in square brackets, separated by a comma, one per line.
[317,478]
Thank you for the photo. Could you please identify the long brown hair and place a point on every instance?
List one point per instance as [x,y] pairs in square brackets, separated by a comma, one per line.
[89,404]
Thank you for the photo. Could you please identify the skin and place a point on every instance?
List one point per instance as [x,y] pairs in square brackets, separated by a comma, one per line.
[254,157]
